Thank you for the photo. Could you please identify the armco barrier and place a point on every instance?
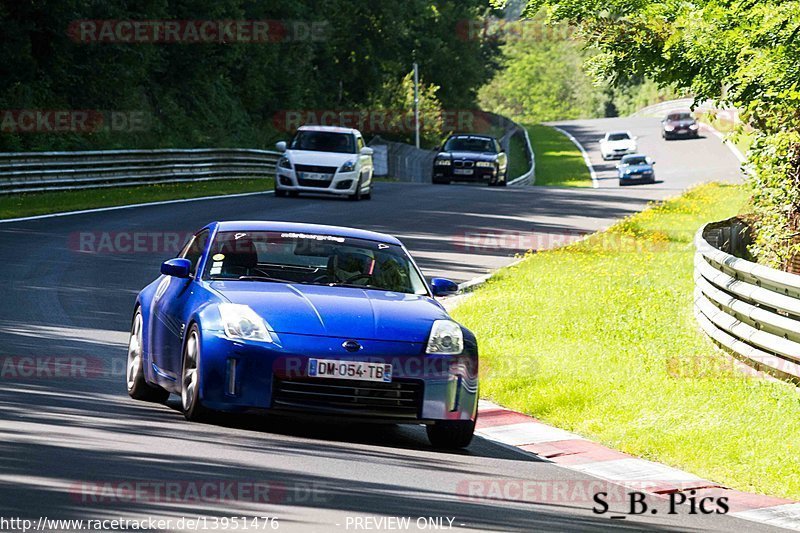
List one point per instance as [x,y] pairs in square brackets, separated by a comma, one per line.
[50,171]
[750,310]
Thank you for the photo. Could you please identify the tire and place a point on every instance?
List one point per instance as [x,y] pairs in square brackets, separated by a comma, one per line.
[441,182]
[368,195]
[138,388]
[451,434]
[356,196]
[193,409]
[503,183]
[279,193]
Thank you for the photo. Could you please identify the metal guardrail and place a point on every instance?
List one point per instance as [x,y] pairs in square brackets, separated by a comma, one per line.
[750,310]
[53,171]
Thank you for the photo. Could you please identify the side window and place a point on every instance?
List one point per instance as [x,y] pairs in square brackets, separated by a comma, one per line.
[359,143]
[194,249]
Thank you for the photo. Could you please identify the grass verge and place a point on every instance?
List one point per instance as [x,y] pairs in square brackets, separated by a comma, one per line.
[517,157]
[41,203]
[599,338]
[558,161]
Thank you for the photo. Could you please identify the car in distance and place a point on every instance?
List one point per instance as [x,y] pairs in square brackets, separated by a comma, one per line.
[470,157]
[616,144]
[301,319]
[327,160]
[636,168]
[677,125]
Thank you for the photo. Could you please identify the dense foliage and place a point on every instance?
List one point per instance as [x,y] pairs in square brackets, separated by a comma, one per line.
[543,76]
[228,93]
[743,53]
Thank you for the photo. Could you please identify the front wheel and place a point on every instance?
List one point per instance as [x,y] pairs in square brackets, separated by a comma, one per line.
[193,409]
[356,196]
[138,388]
[451,434]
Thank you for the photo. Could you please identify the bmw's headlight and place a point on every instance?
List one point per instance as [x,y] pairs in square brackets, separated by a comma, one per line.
[443,162]
[446,338]
[284,162]
[241,322]
[350,166]
[669,127]
[484,164]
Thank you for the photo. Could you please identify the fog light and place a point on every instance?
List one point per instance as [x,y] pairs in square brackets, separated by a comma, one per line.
[342,185]
[286,181]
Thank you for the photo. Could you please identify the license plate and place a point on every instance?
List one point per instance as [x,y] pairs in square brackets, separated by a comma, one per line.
[463,171]
[356,370]
[315,176]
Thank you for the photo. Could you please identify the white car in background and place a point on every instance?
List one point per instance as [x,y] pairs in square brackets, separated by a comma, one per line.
[325,160]
[616,144]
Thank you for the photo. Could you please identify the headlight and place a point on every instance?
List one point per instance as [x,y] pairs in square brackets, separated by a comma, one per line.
[484,164]
[446,338]
[350,166]
[443,162]
[241,322]
[284,162]
[694,126]
[669,128]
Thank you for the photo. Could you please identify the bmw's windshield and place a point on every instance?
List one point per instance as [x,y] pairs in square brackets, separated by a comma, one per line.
[324,141]
[470,144]
[311,259]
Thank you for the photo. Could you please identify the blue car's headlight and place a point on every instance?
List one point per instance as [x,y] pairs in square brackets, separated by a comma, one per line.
[446,338]
[349,166]
[241,322]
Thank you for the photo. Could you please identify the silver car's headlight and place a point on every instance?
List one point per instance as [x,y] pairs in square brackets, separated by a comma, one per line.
[349,166]
[241,322]
[446,338]
[284,162]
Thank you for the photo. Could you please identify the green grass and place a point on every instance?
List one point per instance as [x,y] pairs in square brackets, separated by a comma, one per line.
[517,160]
[558,161]
[599,338]
[20,205]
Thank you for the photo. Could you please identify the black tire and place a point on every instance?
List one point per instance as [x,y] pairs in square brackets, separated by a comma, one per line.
[356,196]
[451,434]
[368,195]
[193,409]
[138,388]
[279,193]
[504,181]
[441,182]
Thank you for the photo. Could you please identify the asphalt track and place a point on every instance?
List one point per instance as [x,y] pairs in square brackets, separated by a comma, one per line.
[70,446]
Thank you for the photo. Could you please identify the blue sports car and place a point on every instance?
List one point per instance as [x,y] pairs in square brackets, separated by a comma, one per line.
[304,319]
[636,168]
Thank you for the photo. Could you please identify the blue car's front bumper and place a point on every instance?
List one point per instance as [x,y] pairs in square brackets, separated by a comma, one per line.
[247,376]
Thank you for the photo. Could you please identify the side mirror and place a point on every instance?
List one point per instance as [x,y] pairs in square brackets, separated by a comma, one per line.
[443,287]
[281,146]
[652,162]
[177,268]
[367,151]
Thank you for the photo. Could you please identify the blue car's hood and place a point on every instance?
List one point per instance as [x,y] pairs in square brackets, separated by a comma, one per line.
[336,311]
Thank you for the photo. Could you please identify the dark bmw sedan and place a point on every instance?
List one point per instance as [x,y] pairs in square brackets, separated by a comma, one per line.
[467,157]
[679,125]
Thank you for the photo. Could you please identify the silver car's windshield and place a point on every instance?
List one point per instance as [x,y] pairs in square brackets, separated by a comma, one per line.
[312,259]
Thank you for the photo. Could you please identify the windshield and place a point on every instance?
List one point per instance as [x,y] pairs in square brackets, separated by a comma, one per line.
[618,136]
[324,141]
[470,144]
[679,116]
[638,160]
[312,259]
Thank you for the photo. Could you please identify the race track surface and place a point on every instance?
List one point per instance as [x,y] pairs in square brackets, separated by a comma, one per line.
[73,445]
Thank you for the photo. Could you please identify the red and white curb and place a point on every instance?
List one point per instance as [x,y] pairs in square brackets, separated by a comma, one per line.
[576,453]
